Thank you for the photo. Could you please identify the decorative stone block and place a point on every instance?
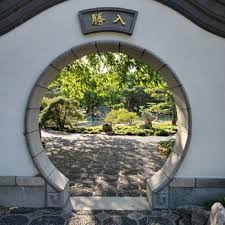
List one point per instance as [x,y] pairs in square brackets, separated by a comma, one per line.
[64,60]
[210,182]
[217,216]
[35,145]
[152,60]
[7,180]
[180,143]
[57,199]
[169,77]
[171,165]
[47,76]
[37,94]
[44,164]
[160,200]
[132,51]
[86,49]
[107,46]
[193,196]
[183,117]
[32,120]
[157,181]
[32,197]
[182,182]
[59,181]
[30,181]
[179,97]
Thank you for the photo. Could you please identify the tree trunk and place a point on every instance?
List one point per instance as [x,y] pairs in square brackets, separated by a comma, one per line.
[174,116]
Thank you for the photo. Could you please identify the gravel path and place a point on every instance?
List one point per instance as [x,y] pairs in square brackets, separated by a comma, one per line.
[104,165]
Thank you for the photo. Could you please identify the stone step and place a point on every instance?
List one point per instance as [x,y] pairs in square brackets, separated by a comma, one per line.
[109,203]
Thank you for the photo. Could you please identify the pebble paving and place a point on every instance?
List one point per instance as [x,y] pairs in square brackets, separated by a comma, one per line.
[104,165]
[97,217]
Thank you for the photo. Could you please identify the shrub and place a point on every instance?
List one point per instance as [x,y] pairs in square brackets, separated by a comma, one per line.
[121,130]
[45,102]
[165,147]
[166,126]
[121,116]
[86,130]
[60,113]
[208,205]
[161,132]
[118,106]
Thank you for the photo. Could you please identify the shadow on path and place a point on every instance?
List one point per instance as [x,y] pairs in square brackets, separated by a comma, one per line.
[102,165]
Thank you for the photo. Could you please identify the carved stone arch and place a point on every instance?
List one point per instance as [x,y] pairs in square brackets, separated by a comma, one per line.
[55,179]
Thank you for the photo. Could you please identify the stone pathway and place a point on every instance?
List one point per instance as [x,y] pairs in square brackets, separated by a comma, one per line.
[103,165]
[22,216]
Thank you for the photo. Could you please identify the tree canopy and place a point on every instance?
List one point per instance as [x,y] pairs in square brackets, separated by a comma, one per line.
[110,79]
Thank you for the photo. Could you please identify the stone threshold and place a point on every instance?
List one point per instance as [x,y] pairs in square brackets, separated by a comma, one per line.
[108,203]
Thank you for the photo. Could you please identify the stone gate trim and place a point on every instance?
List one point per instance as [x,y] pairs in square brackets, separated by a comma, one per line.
[57,191]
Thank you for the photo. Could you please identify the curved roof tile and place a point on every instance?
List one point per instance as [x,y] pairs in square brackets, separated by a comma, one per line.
[208,14]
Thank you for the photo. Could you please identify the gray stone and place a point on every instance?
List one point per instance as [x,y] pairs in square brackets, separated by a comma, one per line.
[199,217]
[44,164]
[47,76]
[32,120]
[217,216]
[107,46]
[102,216]
[57,199]
[86,49]
[179,97]
[180,143]
[169,77]
[183,119]
[119,220]
[64,60]
[7,181]
[14,220]
[193,196]
[157,181]
[210,182]
[84,220]
[37,95]
[34,142]
[171,165]
[136,215]
[155,220]
[174,218]
[30,181]
[132,51]
[152,60]
[48,220]
[160,200]
[58,180]
[22,196]
[185,221]
[182,182]
[148,118]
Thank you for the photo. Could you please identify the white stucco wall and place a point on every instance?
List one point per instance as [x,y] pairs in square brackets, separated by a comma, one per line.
[195,55]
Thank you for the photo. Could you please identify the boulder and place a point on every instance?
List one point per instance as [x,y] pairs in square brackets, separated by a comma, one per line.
[107,127]
[217,216]
[148,118]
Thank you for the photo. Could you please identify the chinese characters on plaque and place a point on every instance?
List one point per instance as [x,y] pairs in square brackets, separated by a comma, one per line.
[108,19]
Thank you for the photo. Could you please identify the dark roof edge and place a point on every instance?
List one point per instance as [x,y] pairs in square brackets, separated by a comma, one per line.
[208,14]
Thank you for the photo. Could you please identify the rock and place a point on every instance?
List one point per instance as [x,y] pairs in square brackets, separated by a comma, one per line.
[199,217]
[217,216]
[148,118]
[107,127]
